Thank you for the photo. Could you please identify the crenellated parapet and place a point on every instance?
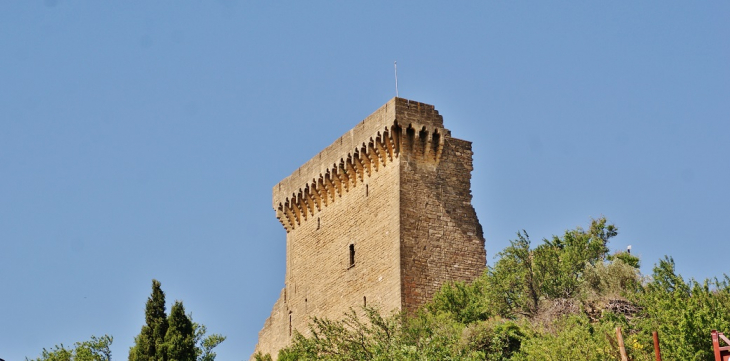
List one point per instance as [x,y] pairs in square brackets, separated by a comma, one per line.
[399,128]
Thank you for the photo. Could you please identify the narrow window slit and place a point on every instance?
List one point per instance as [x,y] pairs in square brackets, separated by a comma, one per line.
[352,255]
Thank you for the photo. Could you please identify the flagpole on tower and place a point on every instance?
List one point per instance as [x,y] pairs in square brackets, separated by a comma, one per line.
[395,66]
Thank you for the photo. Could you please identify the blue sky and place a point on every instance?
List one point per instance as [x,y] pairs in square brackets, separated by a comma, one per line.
[141,140]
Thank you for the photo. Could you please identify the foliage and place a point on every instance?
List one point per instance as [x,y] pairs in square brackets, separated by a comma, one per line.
[205,344]
[523,277]
[180,338]
[173,338]
[575,338]
[611,279]
[494,339]
[684,313]
[466,302]
[561,300]
[96,349]
[148,345]
[258,356]
[627,258]
[348,339]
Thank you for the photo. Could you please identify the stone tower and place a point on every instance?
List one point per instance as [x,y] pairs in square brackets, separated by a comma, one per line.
[382,216]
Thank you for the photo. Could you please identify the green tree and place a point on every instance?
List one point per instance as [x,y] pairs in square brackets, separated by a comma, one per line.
[180,338]
[173,338]
[523,277]
[559,263]
[205,344]
[96,349]
[512,282]
[148,345]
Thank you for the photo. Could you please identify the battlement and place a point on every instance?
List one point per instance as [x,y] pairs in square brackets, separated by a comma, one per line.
[399,126]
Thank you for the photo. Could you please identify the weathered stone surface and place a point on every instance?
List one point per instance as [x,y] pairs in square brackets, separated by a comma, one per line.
[382,216]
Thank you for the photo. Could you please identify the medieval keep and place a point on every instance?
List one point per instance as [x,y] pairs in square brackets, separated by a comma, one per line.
[381,217]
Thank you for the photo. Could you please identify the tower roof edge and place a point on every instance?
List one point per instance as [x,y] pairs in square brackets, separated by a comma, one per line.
[402,111]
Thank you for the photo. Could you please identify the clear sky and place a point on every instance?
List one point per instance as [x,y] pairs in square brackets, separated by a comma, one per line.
[141,139]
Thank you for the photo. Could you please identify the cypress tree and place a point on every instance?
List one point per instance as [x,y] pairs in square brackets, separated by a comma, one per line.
[173,338]
[148,345]
[180,337]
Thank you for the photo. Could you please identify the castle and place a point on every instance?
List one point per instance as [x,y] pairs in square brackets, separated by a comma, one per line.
[382,216]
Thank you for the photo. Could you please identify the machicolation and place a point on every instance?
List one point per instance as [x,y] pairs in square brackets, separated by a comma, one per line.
[382,216]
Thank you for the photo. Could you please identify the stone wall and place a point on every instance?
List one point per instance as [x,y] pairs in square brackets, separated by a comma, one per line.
[380,217]
[441,238]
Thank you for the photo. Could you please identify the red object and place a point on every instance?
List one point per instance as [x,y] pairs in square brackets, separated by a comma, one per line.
[722,353]
[657,352]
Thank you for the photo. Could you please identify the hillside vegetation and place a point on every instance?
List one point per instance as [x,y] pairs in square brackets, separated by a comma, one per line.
[561,300]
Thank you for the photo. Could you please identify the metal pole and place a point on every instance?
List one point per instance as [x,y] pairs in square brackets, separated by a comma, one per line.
[657,352]
[395,66]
